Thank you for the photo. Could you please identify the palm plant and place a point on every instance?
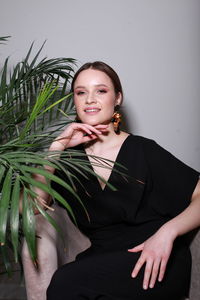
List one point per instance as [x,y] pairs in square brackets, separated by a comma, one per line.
[34,106]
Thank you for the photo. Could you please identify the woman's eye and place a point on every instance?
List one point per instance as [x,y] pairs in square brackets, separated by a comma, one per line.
[79,93]
[102,91]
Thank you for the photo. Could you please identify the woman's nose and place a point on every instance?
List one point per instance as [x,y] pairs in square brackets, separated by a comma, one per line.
[90,98]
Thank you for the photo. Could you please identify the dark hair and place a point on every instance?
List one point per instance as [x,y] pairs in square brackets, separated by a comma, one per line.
[103,67]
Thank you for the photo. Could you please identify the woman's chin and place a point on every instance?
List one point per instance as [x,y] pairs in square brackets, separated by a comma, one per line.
[94,122]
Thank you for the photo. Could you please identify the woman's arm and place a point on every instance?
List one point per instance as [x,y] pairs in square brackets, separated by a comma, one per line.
[156,250]
[73,135]
[189,219]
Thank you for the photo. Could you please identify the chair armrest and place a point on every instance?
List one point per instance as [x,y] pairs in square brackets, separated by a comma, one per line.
[195,275]
[52,251]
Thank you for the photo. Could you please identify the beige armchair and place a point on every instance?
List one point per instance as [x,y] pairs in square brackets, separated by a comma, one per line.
[52,252]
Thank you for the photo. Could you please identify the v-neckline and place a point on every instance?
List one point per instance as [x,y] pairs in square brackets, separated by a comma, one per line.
[102,189]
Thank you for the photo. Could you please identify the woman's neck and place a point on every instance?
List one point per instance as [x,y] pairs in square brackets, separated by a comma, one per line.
[105,141]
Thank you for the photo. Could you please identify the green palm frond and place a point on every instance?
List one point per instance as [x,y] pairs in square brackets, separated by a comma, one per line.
[34,98]
[20,87]
[17,169]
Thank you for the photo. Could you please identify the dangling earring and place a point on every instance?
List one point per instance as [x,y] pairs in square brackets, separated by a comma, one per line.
[116,121]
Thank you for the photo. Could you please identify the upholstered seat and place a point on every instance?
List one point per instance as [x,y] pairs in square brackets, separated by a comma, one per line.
[53,251]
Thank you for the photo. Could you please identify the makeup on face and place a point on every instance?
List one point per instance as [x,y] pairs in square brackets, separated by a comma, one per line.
[94,97]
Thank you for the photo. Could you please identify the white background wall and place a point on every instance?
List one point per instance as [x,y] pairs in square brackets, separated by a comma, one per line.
[154,45]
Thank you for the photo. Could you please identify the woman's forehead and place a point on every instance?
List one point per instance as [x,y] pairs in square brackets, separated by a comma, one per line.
[92,77]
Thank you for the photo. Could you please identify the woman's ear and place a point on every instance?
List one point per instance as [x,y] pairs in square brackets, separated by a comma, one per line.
[118,99]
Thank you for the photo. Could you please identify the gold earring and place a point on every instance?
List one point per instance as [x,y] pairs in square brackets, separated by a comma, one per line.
[116,121]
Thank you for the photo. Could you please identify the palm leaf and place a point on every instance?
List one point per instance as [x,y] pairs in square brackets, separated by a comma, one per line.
[28,223]
[54,194]
[14,217]
[43,97]
[30,95]
[2,171]
[50,220]
[17,97]
[4,205]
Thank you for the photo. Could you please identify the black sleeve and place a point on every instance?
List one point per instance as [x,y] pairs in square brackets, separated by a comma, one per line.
[173,182]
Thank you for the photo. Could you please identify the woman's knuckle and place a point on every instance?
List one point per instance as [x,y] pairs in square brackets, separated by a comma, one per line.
[148,270]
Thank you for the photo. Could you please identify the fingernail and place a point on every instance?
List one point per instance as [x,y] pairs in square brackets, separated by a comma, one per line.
[151,286]
[133,275]
[145,287]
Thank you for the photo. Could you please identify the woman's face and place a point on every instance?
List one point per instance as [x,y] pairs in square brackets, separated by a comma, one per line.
[95,97]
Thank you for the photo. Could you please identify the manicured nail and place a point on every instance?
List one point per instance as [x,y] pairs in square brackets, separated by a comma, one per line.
[144,287]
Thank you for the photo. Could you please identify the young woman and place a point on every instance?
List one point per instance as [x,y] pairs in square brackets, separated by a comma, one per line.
[137,232]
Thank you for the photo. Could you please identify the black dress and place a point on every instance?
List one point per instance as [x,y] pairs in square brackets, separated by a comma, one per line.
[157,188]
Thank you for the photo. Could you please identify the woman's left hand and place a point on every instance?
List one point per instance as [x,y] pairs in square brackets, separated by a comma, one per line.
[155,253]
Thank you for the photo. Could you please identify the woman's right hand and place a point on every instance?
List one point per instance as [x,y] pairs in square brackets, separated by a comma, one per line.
[75,134]
[155,253]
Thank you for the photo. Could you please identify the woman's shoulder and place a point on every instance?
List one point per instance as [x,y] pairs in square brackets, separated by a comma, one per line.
[149,147]
[157,155]
[141,140]
[140,147]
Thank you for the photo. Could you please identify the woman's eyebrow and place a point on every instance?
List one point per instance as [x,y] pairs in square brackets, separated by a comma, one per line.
[97,85]
[79,87]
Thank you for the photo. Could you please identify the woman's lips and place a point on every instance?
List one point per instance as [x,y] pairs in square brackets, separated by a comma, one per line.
[91,110]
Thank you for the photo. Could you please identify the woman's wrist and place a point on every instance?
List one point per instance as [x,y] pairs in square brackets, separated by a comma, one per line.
[169,229]
[57,145]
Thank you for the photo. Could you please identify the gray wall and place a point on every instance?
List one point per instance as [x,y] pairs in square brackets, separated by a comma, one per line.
[154,45]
